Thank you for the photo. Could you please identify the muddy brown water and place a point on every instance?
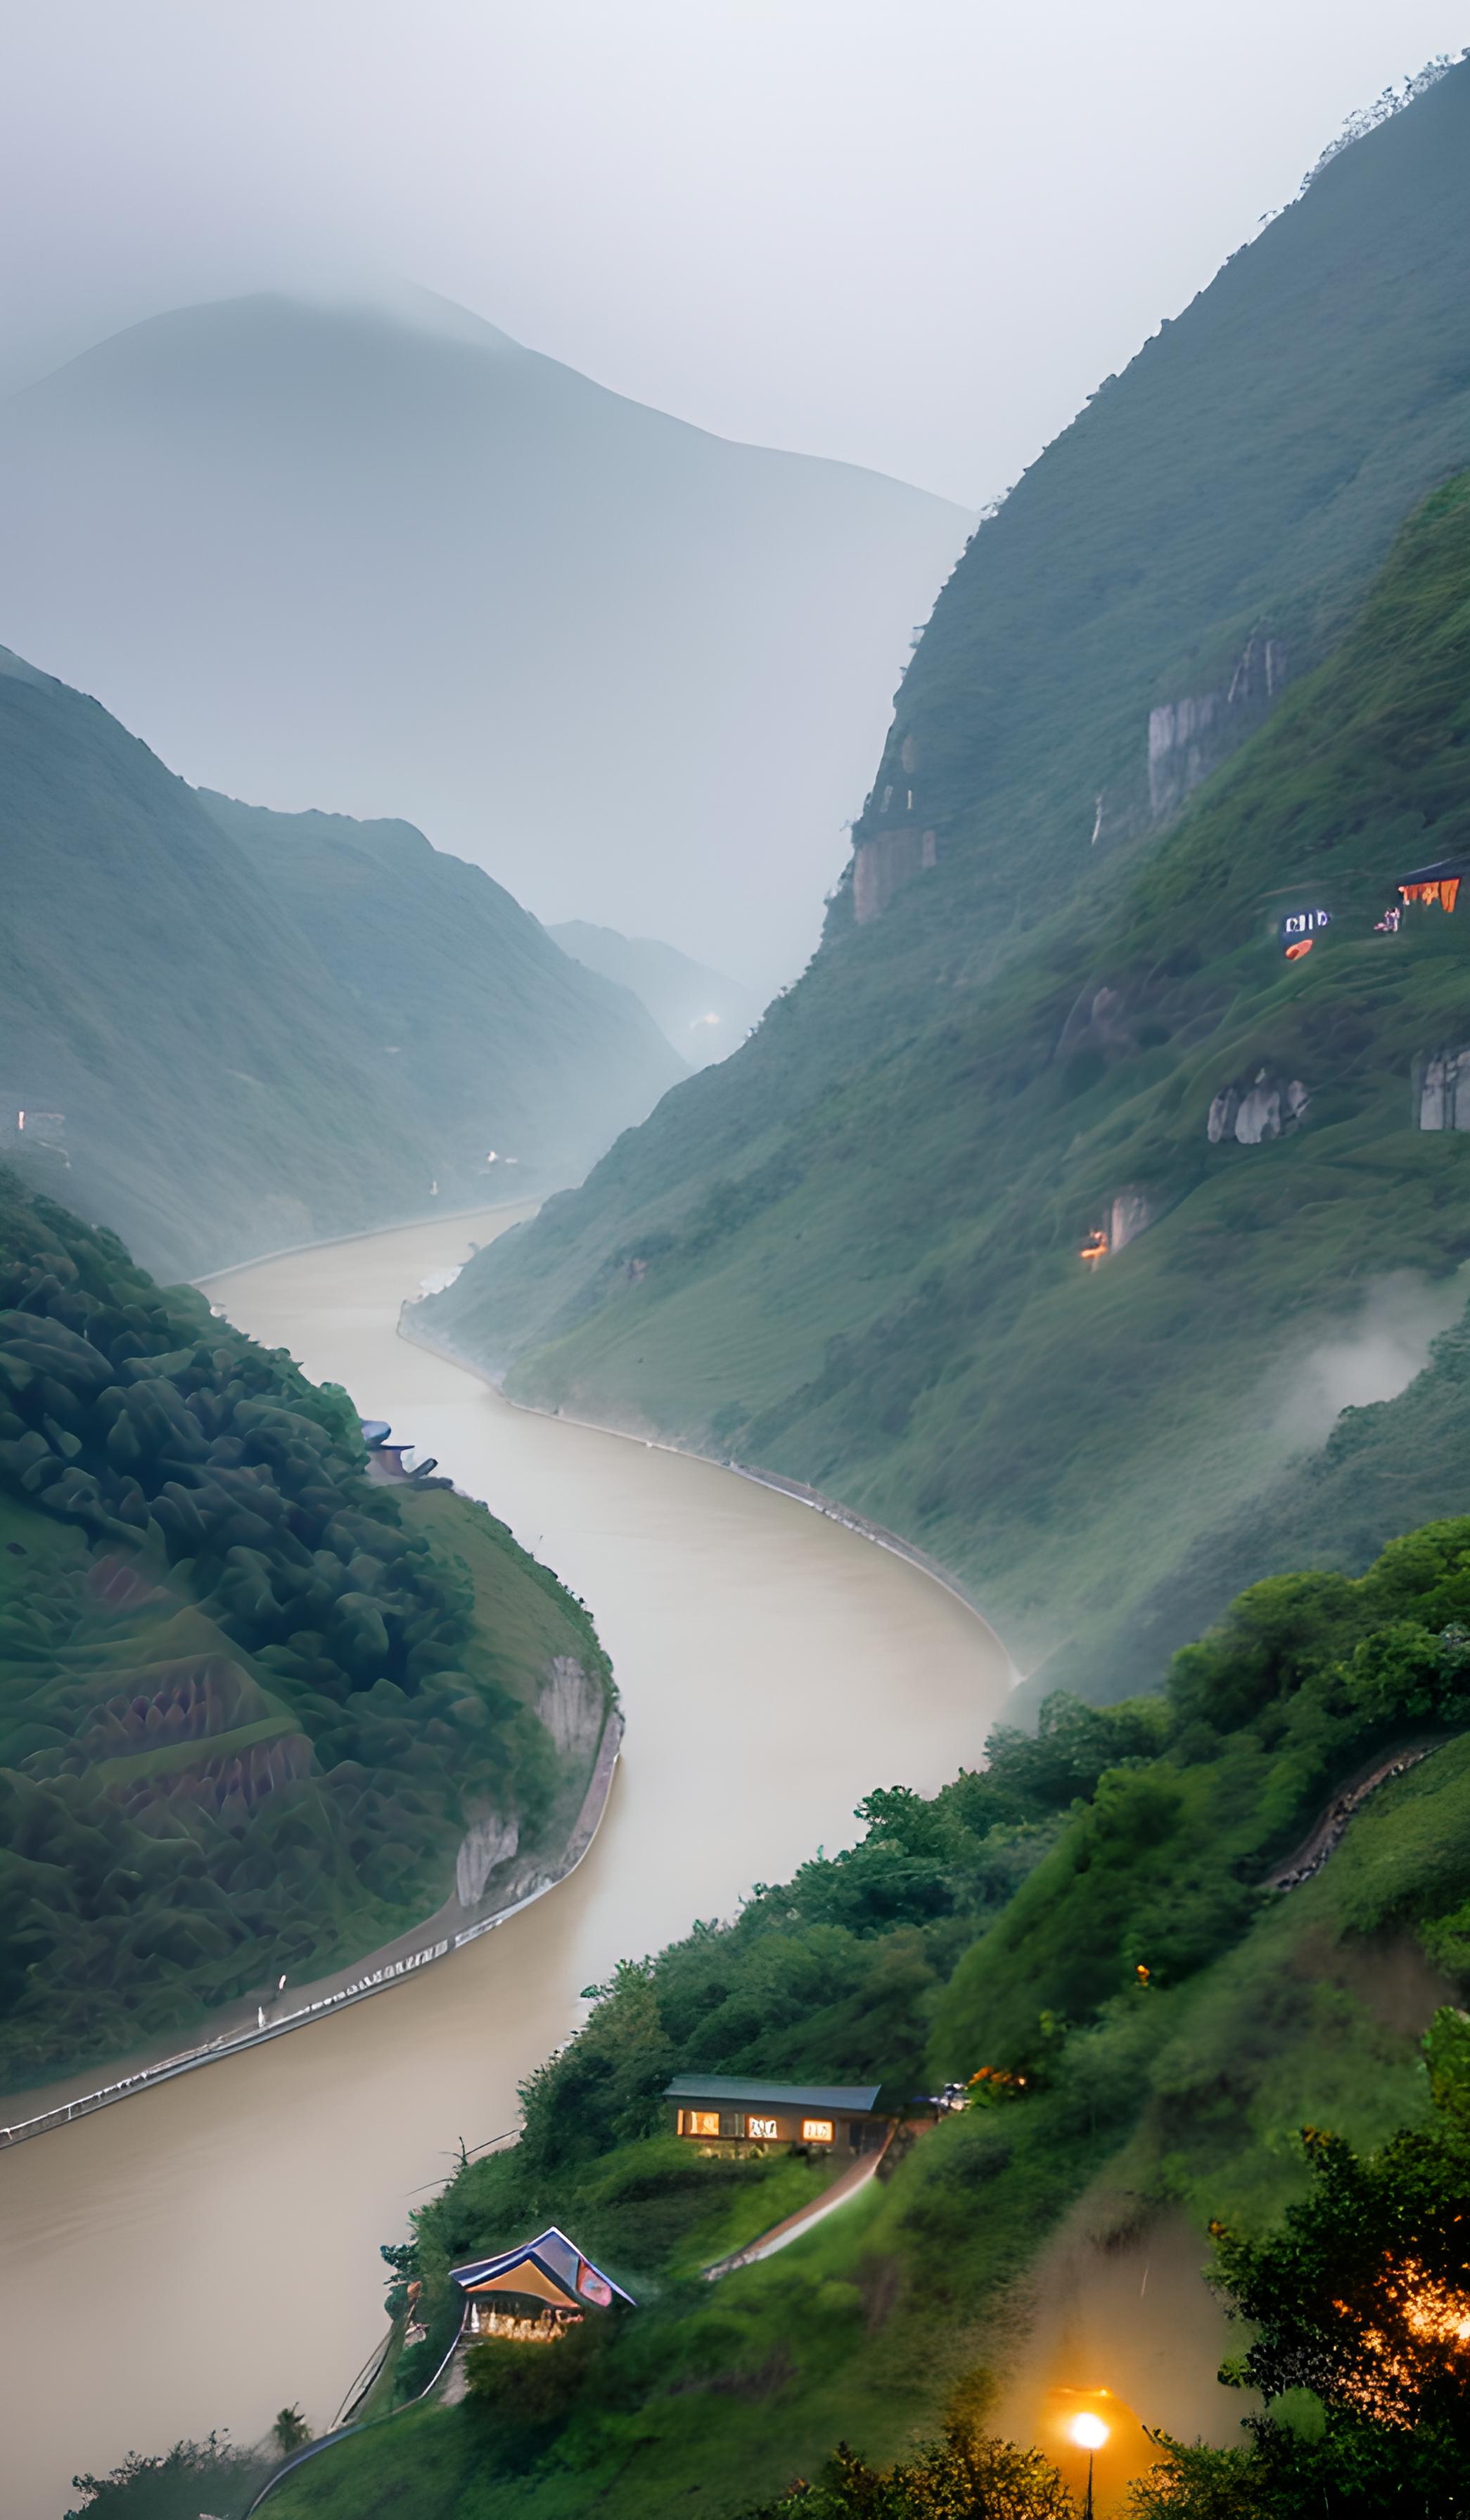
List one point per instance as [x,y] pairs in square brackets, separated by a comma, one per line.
[206,2252]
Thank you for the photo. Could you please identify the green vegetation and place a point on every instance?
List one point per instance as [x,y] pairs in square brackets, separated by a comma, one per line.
[1088,1917]
[213,1011]
[174,2486]
[859,1238]
[1361,2305]
[250,1700]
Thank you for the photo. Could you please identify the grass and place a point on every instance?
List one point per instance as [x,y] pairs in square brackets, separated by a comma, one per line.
[360,1669]
[1174,2089]
[889,1303]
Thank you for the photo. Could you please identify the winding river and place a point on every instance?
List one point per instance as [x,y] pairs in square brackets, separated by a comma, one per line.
[206,2252]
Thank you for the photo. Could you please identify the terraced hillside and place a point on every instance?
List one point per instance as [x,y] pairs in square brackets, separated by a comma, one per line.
[1163,702]
[253,1704]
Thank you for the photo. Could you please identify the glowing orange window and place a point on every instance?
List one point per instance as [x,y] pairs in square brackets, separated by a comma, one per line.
[816,2129]
[702,2121]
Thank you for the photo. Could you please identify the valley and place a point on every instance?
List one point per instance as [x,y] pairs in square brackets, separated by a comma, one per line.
[307,2153]
[553,1960]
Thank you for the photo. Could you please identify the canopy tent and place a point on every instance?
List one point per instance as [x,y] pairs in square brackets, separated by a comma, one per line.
[551,2269]
[1439,883]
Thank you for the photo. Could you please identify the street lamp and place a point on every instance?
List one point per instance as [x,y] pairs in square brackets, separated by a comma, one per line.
[1089,2433]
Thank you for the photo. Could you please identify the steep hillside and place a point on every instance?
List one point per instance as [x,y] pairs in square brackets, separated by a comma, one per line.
[702,1013]
[214,1040]
[250,1701]
[851,1251]
[1087,1935]
[503,1042]
[389,559]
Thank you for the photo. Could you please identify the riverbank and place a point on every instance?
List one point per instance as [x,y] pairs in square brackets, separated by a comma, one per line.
[436,1939]
[774,1669]
[876,1534]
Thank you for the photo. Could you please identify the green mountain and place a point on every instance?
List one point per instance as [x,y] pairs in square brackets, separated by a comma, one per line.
[1184,684]
[259,1712]
[502,1043]
[1090,1936]
[197,1031]
[703,1015]
[384,554]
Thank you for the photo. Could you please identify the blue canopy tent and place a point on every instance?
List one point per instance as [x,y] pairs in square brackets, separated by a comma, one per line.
[550,2270]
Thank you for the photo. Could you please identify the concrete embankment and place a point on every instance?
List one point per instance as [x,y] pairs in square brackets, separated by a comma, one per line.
[436,1939]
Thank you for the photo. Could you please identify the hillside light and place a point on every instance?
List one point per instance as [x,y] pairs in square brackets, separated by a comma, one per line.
[1089,2433]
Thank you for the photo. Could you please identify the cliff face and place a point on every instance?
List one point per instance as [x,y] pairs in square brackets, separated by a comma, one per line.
[1053,964]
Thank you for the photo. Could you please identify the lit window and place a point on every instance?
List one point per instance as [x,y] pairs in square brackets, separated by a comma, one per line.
[702,2121]
[816,2129]
[761,2129]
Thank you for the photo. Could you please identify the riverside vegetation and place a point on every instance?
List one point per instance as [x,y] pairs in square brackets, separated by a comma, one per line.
[1087,1917]
[250,1700]
[850,1254]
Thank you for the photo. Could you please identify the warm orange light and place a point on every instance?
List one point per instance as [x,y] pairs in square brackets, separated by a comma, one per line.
[1304,945]
[1095,1248]
[1445,893]
[1090,2432]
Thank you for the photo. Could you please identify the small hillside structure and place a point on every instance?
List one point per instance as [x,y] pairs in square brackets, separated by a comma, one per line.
[535,2292]
[718,2113]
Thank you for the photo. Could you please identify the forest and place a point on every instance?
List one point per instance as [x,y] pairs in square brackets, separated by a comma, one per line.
[251,1700]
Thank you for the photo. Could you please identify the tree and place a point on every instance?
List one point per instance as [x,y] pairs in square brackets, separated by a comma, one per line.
[289,2430]
[1363,2294]
[1361,2300]
[966,2476]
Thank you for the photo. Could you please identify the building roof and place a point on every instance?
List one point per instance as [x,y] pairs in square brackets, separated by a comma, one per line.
[551,2255]
[856,2098]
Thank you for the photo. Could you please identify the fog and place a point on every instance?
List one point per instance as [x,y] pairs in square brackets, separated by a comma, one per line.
[1374,1356]
[913,238]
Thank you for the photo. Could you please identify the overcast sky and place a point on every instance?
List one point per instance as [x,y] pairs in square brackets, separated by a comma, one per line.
[912,233]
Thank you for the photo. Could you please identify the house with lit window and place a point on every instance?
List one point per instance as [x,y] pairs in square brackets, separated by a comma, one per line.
[534,2293]
[718,2112]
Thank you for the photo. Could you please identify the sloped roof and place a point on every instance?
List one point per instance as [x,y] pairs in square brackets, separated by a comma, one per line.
[858,2097]
[1437,872]
[554,2256]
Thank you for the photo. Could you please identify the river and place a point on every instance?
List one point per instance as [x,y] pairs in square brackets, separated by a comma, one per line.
[207,2252]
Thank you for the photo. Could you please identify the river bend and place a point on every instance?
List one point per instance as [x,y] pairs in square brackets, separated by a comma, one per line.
[207,2252]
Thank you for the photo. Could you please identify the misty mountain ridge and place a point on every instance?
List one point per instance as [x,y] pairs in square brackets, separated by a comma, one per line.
[1186,680]
[231,1030]
[703,1015]
[409,565]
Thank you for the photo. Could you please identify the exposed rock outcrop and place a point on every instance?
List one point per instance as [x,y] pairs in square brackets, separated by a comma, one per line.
[882,866]
[1131,1215]
[1269,1107]
[570,1703]
[1189,737]
[1441,1089]
[489,1842]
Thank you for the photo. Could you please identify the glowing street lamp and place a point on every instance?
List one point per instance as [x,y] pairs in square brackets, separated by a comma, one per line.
[1089,2433]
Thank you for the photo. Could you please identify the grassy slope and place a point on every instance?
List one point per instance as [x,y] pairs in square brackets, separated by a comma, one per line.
[502,1039]
[1265,2012]
[203,1059]
[899,1312]
[209,1009]
[858,1232]
[185,1520]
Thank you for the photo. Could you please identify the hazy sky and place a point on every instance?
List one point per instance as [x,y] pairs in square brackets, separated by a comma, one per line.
[913,233]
